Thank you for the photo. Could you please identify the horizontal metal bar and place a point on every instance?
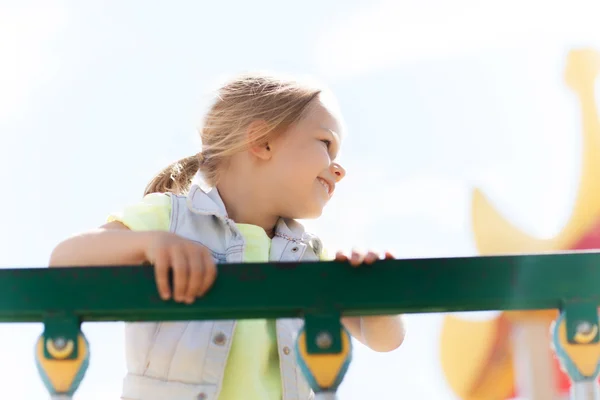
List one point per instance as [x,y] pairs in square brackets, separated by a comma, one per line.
[281,290]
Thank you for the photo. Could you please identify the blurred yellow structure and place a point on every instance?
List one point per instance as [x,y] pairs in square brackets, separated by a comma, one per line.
[510,355]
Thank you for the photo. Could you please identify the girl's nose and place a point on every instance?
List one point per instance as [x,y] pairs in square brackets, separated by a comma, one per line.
[338,171]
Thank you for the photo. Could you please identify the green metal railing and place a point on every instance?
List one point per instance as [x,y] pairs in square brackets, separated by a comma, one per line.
[63,298]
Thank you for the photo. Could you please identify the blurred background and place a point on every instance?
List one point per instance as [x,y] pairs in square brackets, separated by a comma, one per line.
[439,96]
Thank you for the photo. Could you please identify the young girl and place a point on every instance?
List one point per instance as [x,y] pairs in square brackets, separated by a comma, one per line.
[268,155]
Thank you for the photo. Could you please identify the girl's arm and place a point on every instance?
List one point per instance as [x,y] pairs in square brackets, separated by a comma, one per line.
[379,333]
[194,270]
[111,244]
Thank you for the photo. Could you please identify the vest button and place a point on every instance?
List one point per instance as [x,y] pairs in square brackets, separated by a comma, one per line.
[219,339]
[286,350]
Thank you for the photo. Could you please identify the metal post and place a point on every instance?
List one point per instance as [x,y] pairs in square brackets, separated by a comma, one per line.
[533,360]
[586,390]
[326,396]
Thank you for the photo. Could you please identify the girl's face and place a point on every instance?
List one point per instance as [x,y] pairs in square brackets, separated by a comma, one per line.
[304,172]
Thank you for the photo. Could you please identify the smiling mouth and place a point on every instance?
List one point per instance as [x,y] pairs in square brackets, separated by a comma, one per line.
[328,188]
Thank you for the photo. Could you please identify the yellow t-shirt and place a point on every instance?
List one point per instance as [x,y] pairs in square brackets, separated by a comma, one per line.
[252,370]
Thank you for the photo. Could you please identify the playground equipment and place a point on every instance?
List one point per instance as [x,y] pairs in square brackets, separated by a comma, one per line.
[319,292]
[522,338]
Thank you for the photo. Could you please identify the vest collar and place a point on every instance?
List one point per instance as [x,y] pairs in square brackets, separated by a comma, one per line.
[203,199]
[206,202]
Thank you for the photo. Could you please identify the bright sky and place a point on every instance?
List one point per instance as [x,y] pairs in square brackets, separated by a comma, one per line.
[439,96]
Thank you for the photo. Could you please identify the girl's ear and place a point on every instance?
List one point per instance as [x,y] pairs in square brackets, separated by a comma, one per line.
[257,134]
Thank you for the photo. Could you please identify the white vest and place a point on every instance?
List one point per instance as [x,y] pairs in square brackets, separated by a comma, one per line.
[186,360]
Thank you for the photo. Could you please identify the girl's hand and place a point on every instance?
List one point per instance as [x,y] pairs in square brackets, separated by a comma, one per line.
[194,270]
[356,258]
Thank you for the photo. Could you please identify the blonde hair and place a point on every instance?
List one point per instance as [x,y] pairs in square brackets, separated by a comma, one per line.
[276,101]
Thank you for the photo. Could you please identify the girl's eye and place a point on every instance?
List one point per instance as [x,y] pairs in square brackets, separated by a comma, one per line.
[327,142]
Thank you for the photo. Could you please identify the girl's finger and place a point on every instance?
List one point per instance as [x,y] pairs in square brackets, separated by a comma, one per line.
[210,272]
[371,257]
[356,259]
[161,272]
[181,273]
[196,277]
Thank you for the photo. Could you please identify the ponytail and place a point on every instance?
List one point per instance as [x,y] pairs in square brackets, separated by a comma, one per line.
[176,178]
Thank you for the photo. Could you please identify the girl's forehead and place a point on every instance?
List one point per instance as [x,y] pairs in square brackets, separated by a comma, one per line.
[326,117]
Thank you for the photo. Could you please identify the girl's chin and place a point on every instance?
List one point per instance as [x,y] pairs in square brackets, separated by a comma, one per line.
[314,212]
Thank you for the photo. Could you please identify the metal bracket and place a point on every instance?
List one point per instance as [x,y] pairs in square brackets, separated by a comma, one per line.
[582,322]
[576,343]
[323,333]
[60,337]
